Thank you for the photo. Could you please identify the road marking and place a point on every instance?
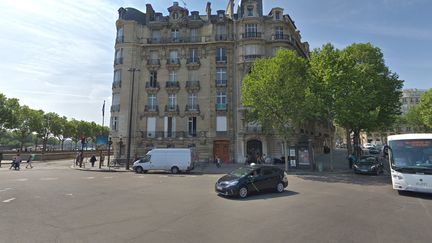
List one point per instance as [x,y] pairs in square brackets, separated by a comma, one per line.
[69,194]
[9,200]
[23,179]
[108,177]
[89,178]
[6,189]
[49,179]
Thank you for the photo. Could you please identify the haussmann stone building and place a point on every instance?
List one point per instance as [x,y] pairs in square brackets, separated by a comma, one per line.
[186,70]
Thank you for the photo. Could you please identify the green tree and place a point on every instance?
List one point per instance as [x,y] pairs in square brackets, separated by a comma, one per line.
[325,75]
[276,92]
[9,111]
[27,123]
[425,108]
[368,94]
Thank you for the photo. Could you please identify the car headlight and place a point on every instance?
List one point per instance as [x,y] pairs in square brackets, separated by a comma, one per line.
[355,166]
[373,167]
[232,183]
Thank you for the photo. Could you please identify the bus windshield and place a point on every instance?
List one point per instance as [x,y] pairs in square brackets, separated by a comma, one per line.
[411,153]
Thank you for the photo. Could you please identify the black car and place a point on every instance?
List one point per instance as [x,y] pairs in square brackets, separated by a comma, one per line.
[368,164]
[256,178]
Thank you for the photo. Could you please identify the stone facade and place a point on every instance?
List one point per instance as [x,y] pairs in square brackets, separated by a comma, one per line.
[187,92]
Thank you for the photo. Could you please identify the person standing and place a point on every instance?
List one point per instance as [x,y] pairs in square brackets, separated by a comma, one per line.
[29,162]
[1,158]
[351,160]
[218,162]
[93,160]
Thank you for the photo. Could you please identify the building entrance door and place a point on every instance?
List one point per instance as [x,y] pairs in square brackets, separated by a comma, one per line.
[221,149]
[253,148]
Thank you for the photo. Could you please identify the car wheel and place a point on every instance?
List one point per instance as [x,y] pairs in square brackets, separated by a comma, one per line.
[174,170]
[243,192]
[280,187]
[139,169]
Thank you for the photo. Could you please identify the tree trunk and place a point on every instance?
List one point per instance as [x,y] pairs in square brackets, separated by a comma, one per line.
[62,143]
[357,149]
[348,138]
[285,145]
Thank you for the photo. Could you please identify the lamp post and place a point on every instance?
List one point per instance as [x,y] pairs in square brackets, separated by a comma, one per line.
[109,151]
[133,70]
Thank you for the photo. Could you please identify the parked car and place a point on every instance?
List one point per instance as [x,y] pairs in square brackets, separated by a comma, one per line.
[251,179]
[170,159]
[374,150]
[368,146]
[368,164]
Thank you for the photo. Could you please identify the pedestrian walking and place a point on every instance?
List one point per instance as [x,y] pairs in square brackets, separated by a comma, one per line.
[29,162]
[1,158]
[93,160]
[16,162]
[101,159]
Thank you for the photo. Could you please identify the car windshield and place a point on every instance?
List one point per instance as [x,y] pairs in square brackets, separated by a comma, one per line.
[240,172]
[414,153]
[146,158]
[367,160]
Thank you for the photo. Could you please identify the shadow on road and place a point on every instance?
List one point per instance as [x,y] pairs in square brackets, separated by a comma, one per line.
[349,178]
[415,194]
[262,196]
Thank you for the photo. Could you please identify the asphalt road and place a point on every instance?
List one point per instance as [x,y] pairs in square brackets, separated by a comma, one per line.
[54,203]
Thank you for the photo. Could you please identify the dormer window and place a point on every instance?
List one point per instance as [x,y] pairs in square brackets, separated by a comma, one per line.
[221,16]
[175,15]
[277,15]
[250,10]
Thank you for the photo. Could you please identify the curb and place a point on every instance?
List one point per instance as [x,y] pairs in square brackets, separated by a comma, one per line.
[99,170]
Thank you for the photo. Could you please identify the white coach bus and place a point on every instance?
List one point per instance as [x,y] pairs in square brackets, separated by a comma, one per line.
[410,157]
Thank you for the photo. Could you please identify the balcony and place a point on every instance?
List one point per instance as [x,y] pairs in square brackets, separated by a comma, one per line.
[120,39]
[221,107]
[118,60]
[153,64]
[172,86]
[251,35]
[280,37]
[223,37]
[221,83]
[221,59]
[193,86]
[151,110]
[193,63]
[176,40]
[154,40]
[192,39]
[157,23]
[115,108]
[152,87]
[172,110]
[251,58]
[173,63]
[116,84]
[160,135]
[192,110]
[253,129]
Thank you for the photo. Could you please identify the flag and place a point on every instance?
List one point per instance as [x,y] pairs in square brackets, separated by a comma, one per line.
[103,109]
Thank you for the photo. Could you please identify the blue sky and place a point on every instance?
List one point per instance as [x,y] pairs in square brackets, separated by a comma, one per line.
[57,55]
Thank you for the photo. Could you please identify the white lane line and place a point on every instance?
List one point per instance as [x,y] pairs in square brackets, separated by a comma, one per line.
[23,179]
[89,178]
[6,189]
[9,200]
[69,194]
[108,177]
[49,179]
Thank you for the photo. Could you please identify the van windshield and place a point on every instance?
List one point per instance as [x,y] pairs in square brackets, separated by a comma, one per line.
[146,158]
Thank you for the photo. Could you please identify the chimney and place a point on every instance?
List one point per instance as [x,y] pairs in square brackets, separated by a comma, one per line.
[208,9]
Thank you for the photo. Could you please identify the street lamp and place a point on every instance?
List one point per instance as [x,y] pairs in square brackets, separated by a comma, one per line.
[133,70]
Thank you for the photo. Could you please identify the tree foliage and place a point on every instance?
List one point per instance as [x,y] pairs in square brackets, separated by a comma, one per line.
[23,124]
[425,108]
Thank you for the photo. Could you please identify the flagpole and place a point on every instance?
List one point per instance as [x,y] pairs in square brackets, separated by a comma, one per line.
[103,114]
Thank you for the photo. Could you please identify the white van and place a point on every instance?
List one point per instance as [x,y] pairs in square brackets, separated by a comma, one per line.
[169,159]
